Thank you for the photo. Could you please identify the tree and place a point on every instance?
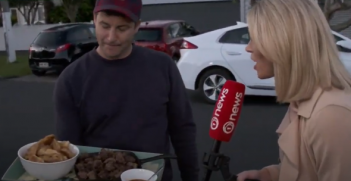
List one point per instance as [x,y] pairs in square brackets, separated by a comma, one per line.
[48,6]
[330,8]
[71,8]
[27,8]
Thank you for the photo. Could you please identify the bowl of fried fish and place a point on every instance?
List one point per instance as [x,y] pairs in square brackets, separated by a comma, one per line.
[48,159]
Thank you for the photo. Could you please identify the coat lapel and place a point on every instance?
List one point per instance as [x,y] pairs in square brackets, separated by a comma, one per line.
[289,143]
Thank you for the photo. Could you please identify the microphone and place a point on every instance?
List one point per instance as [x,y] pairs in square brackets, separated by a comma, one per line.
[223,123]
[227,111]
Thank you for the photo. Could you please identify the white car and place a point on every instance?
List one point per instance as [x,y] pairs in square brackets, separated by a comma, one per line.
[209,59]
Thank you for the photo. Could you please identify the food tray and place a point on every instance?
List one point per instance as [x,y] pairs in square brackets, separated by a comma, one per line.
[16,172]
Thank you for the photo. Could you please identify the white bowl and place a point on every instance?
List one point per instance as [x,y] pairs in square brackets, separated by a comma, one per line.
[141,174]
[48,171]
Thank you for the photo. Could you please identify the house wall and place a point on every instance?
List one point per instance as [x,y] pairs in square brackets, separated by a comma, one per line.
[339,17]
[204,16]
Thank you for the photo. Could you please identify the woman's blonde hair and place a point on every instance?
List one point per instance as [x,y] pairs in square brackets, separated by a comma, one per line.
[296,37]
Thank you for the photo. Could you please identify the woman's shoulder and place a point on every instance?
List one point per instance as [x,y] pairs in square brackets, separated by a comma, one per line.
[332,99]
[332,107]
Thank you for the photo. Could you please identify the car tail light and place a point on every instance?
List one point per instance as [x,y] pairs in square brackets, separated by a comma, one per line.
[63,48]
[187,45]
[161,47]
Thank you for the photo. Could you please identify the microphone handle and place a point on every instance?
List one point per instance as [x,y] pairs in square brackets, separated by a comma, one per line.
[216,148]
[208,173]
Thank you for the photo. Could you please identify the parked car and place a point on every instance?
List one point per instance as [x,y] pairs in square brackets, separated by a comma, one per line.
[210,59]
[164,35]
[55,48]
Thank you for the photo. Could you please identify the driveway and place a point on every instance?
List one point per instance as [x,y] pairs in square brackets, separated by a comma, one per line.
[33,78]
[26,115]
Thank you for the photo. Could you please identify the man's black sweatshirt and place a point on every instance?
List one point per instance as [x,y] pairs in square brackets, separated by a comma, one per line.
[137,103]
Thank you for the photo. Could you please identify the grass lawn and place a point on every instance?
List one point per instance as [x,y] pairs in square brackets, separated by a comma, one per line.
[16,69]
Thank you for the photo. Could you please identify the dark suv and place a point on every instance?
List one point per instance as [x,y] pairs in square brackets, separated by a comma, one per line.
[55,48]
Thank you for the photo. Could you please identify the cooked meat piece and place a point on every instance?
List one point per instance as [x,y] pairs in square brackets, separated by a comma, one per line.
[129,158]
[92,175]
[83,175]
[103,174]
[110,153]
[82,157]
[98,164]
[110,166]
[121,167]
[97,157]
[88,159]
[115,174]
[89,165]
[103,154]
[120,158]
[80,167]
[110,160]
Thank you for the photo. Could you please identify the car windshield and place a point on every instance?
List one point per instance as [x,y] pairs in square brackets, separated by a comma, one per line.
[50,38]
[148,35]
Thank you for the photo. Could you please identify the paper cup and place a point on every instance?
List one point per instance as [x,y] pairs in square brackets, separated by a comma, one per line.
[141,174]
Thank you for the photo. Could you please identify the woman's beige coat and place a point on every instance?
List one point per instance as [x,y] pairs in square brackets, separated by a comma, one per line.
[315,139]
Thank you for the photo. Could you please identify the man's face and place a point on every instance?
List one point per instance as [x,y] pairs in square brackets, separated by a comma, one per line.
[114,34]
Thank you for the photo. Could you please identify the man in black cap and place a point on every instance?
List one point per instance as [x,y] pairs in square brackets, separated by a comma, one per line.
[126,97]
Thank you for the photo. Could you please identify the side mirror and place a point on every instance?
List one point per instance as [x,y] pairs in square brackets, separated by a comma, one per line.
[344,44]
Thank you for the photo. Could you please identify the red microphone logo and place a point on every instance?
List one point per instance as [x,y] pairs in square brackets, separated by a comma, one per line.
[219,106]
[227,111]
[214,123]
[228,127]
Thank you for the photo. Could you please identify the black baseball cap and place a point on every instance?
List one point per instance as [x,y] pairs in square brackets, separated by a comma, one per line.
[130,8]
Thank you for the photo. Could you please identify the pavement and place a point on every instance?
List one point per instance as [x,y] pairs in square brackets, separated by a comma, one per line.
[26,115]
[51,78]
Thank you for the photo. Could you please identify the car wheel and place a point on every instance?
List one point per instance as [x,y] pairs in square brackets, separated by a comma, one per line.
[39,72]
[211,83]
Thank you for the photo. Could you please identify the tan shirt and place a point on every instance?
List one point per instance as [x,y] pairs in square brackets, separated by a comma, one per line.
[315,139]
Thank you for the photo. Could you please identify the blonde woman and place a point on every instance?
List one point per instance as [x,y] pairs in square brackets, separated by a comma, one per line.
[292,42]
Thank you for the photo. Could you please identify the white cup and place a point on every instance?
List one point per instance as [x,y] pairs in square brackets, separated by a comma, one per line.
[141,174]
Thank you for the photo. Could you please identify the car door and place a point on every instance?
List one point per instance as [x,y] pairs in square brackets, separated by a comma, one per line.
[344,54]
[233,50]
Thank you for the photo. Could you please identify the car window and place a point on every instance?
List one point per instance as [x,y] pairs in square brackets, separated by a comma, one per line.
[78,34]
[174,29]
[50,38]
[337,38]
[169,33]
[148,35]
[185,30]
[237,36]
[92,30]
